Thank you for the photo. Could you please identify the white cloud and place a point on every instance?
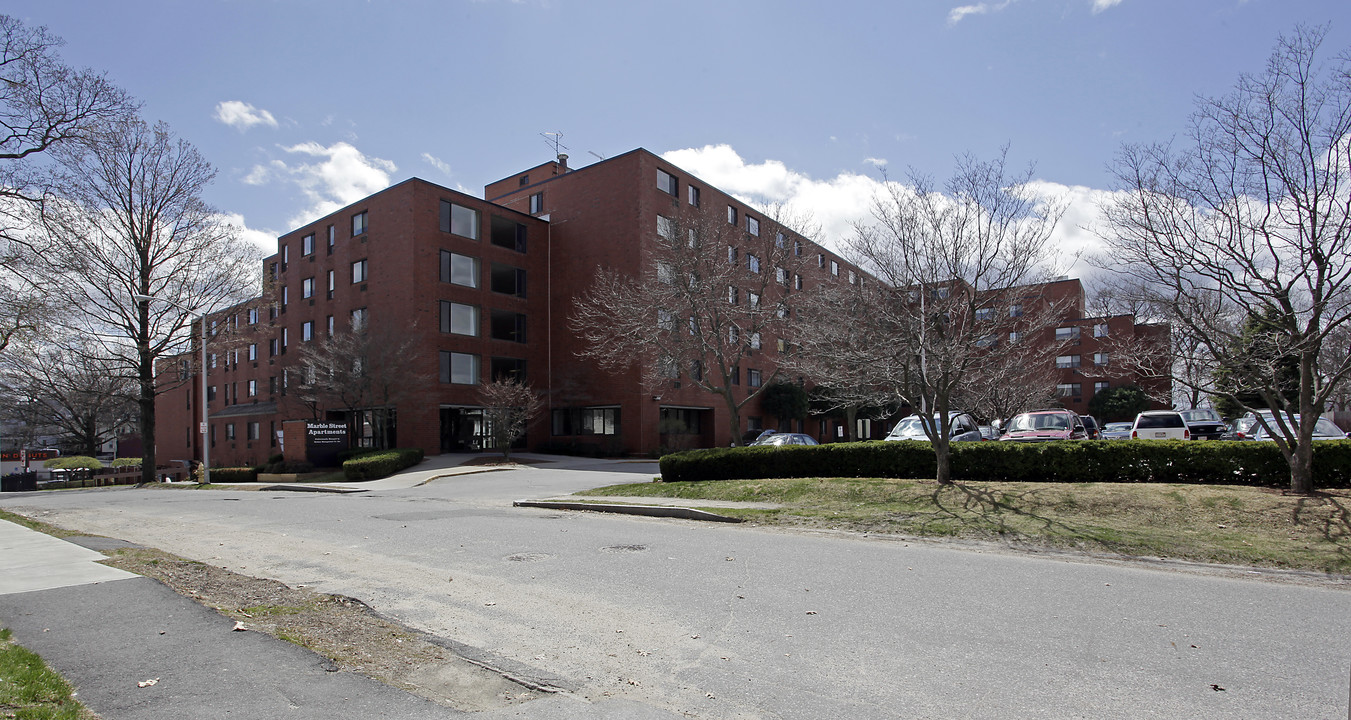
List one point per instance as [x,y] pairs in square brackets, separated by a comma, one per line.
[840,202]
[876,162]
[1100,5]
[437,163]
[957,14]
[340,175]
[242,115]
[264,239]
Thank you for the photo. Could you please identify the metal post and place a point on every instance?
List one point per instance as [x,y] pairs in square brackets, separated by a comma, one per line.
[206,428]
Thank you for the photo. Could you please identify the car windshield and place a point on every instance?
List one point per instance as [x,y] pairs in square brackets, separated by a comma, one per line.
[1116,426]
[1039,421]
[1200,415]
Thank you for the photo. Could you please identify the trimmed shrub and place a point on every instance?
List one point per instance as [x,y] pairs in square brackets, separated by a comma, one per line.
[74,462]
[375,464]
[125,462]
[234,474]
[1072,461]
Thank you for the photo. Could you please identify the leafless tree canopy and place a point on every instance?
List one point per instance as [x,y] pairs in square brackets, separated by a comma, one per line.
[508,407]
[711,296]
[68,392]
[951,325]
[133,222]
[44,105]
[1249,215]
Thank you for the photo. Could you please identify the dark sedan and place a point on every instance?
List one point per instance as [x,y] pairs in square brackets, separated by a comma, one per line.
[1204,424]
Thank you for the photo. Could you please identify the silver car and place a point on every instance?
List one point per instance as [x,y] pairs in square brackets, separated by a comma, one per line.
[1324,429]
[785,439]
[961,427]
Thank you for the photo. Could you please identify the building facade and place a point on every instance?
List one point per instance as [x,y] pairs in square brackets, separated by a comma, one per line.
[455,291]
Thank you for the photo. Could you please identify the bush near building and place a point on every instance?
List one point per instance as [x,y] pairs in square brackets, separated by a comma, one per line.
[376,464]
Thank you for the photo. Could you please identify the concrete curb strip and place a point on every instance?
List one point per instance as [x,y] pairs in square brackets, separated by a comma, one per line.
[647,510]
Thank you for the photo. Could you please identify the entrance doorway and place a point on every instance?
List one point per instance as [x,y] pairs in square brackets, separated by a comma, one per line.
[462,429]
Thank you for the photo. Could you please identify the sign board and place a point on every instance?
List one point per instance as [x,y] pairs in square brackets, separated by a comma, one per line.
[323,442]
[28,455]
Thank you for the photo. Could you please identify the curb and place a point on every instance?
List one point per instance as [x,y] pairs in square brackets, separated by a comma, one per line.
[646,510]
[315,488]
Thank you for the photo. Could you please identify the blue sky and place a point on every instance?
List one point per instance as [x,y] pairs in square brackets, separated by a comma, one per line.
[307,105]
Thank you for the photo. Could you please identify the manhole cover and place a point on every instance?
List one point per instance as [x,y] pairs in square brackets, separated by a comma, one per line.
[624,548]
[527,557]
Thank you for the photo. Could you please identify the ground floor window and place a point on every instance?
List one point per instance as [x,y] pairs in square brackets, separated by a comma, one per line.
[375,428]
[586,421]
[681,421]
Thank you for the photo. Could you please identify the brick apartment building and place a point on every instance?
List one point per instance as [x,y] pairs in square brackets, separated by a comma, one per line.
[483,288]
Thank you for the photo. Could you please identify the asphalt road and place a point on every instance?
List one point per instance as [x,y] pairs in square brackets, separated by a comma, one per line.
[730,621]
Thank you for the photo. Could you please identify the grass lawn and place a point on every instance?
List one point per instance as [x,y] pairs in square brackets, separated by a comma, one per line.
[30,689]
[1208,523]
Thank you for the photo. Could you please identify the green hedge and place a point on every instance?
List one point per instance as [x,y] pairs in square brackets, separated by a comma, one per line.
[234,474]
[375,464]
[1175,461]
[125,462]
[74,462]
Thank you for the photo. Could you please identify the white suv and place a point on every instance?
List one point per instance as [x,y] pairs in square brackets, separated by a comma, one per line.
[1160,425]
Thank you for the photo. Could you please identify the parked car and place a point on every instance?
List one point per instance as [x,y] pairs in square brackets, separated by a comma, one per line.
[1043,426]
[779,439]
[1204,424]
[1091,428]
[1117,431]
[750,437]
[988,432]
[961,428]
[1160,425]
[1241,429]
[1323,429]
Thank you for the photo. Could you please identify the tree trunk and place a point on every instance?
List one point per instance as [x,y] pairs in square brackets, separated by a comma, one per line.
[147,404]
[733,419]
[943,459]
[1301,468]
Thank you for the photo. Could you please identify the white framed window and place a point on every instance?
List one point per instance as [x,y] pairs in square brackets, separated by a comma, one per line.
[253,351]
[1067,333]
[1100,359]
[307,287]
[781,275]
[753,225]
[753,263]
[359,224]
[665,228]
[666,182]
[253,316]
[1100,330]
[307,245]
[253,388]
[754,341]
[358,272]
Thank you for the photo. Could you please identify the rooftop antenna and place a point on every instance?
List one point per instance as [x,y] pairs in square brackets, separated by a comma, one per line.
[555,140]
[598,155]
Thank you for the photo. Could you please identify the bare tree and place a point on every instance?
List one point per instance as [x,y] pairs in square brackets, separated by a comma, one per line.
[955,308]
[133,223]
[44,105]
[711,294]
[1249,216]
[361,369]
[508,407]
[69,391]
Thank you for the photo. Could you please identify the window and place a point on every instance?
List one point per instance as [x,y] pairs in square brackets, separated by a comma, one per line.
[285,340]
[853,278]
[330,239]
[253,351]
[459,220]
[781,276]
[358,272]
[1067,333]
[665,320]
[525,180]
[359,224]
[693,195]
[733,294]
[459,368]
[537,203]
[665,273]
[753,378]
[820,260]
[983,314]
[1016,310]
[508,233]
[753,226]
[253,388]
[285,298]
[211,393]
[1100,330]
[797,248]
[780,240]
[211,361]
[665,228]
[358,319]
[307,287]
[459,319]
[731,215]
[755,341]
[507,369]
[733,335]
[307,245]
[330,284]
[1015,336]
[666,182]
[330,326]
[681,421]
[781,345]
[272,347]
[753,300]
[753,263]
[285,255]
[229,431]
[669,368]
[507,280]
[731,254]
[253,316]
[797,282]
[834,268]
[1068,390]
[1064,362]
[459,269]
[782,311]
[508,325]
[1100,359]
[1101,386]
[253,431]
[586,421]
[736,374]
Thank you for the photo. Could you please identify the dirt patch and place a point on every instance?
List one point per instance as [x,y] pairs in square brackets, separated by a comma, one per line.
[342,629]
[497,461]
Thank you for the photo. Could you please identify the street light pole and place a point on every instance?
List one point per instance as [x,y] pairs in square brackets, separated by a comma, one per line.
[205,427]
